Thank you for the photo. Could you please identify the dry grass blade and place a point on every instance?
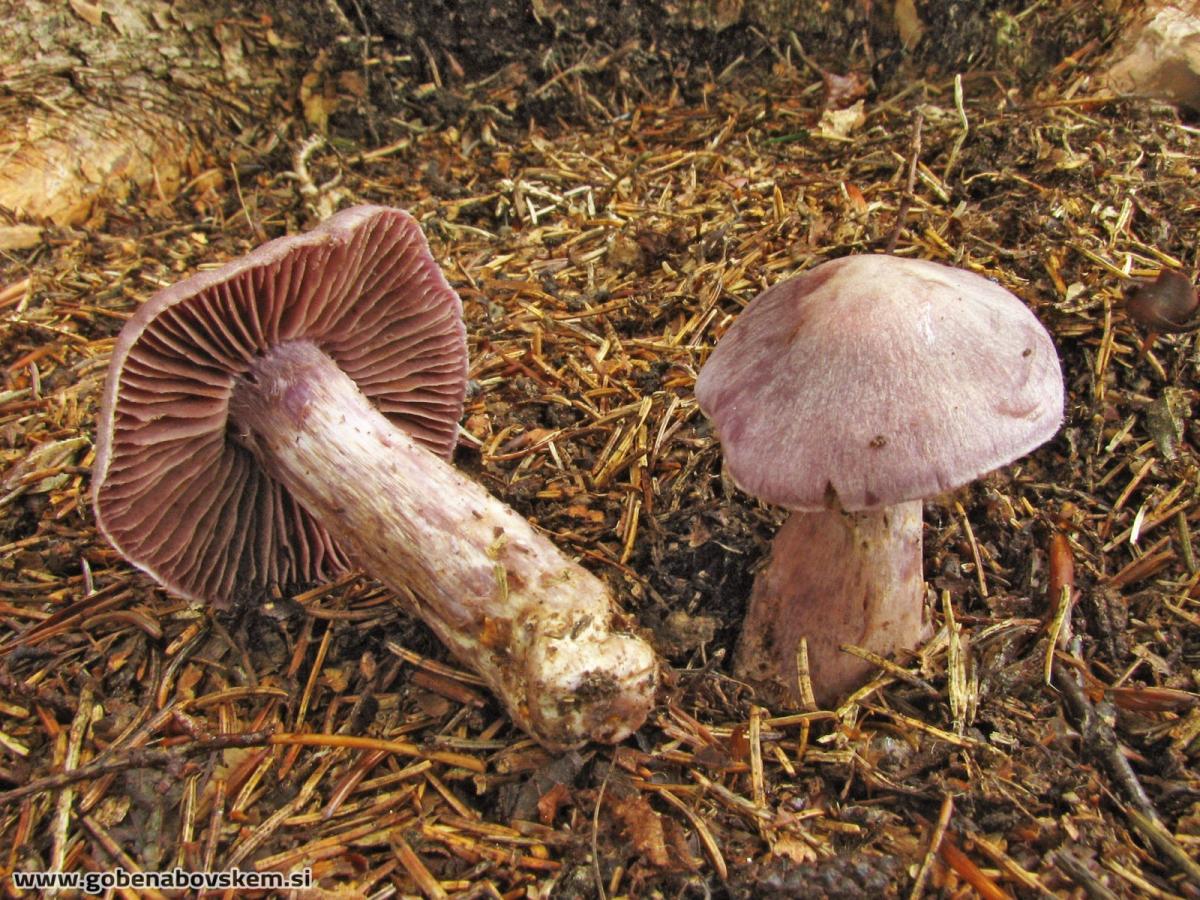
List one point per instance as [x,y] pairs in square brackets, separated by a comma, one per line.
[711,848]
[417,871]
[1166,843]
[935,844]
[401,748]
[971,873]
[1081,875]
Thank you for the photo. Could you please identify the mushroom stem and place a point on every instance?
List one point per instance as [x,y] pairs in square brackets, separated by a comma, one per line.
[537,626]
[834,578]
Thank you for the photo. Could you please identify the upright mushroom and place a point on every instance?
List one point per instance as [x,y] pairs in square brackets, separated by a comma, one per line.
[847,394]
[266,422]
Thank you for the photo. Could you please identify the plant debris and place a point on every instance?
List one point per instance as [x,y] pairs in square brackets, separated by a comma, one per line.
[1046,740]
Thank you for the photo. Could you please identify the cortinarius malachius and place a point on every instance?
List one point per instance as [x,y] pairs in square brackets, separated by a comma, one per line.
[268,422]
[847,394]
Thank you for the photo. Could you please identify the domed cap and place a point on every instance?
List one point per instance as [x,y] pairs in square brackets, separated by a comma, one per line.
[172,490]
[870,380]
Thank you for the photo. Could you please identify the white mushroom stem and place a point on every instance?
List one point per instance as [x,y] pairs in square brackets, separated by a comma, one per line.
[834,578]
[537,626]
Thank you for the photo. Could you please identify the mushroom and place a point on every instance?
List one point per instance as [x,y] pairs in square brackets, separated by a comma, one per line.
[1166,304]
[847,394]
[267,422]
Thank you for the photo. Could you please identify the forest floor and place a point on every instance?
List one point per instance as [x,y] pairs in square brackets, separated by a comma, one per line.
[1031,748]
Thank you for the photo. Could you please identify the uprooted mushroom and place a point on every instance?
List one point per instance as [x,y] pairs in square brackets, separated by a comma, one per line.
[266,423]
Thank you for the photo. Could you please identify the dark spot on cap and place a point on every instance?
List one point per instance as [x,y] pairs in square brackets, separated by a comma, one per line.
[831,496]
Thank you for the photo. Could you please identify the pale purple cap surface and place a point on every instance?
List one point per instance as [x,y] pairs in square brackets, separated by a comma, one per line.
[870,380]
[172,490]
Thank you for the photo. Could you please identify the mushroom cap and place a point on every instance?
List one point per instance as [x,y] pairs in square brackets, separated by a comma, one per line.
[870,380]
[172,490]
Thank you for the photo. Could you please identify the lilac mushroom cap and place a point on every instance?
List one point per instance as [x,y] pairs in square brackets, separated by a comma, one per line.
[174,487]
[871,380]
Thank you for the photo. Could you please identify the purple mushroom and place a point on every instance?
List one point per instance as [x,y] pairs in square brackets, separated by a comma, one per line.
[847,394]
[267,422]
